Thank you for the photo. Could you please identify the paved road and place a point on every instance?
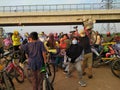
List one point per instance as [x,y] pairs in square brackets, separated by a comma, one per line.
[103,80]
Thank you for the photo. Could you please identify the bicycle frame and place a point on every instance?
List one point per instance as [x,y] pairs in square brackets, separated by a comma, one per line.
[47,85]
[11,66]
[13,69]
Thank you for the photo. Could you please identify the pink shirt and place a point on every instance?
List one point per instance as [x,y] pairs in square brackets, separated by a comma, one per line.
[7,42]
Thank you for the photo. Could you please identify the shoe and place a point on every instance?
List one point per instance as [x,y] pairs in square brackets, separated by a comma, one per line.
[84,73]
[65,72]
[90,76]
[82,83]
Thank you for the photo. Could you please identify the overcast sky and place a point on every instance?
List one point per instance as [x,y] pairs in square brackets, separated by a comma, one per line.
[48,29]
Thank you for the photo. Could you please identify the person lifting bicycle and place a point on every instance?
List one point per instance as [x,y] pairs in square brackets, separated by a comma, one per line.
[88,26]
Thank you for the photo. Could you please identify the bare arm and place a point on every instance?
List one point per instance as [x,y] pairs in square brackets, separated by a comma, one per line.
[44,56]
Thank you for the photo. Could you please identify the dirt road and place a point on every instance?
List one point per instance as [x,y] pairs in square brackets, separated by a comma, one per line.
[103,80]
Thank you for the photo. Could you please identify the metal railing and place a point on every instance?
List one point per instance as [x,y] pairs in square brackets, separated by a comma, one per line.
[59,7]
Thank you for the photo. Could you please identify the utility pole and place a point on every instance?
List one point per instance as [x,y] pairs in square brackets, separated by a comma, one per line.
[108,4]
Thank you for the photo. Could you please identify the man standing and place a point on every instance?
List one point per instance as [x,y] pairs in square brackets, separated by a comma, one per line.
[75,56]
[87,62]
[36,58]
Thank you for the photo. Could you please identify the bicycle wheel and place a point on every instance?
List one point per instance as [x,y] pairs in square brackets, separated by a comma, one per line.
[8,82]
[47,85]
[51,72]
[19,74]
[97,62]
[93,37]
[115,68]
[2,82]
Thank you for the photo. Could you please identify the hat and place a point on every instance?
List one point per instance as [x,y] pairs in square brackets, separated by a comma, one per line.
[26,34]
[108,33]
[15,32]
[82,33]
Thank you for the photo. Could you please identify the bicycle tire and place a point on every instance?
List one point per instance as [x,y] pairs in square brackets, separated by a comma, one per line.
[2,82]
[19,72]
[115,68]
[97,62]
[51,72]
[8,82]
[47,85]
[93,37]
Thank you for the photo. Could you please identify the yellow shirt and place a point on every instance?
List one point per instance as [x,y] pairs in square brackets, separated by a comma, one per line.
[16,40]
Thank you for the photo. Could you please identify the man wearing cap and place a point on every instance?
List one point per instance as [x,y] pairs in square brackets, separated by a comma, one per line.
[85,42]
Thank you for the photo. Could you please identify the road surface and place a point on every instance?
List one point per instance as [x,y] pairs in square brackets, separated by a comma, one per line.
[103,79]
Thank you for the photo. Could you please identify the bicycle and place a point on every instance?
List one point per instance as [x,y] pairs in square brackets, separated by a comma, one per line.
[88,26]
[48,75]
[12,66]
[6,82]
[102,59]
[115,68]
[46,84]
[50,70]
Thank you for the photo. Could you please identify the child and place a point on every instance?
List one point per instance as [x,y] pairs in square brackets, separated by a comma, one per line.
[36,58]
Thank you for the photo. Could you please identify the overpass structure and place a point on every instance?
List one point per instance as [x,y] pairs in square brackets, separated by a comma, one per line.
[65,14]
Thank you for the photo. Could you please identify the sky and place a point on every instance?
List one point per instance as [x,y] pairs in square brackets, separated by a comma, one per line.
[48,29]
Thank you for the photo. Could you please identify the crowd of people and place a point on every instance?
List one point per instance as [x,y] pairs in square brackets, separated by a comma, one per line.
[72,50]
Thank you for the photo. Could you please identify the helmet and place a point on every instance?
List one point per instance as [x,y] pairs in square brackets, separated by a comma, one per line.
[108,33]
[26,34]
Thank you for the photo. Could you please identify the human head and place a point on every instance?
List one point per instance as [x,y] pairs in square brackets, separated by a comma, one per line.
[82,33]
[42,32]
[74,40]
[65,36]
[33,35]
[97,32]
[51,36]
[108,34]
[15,32]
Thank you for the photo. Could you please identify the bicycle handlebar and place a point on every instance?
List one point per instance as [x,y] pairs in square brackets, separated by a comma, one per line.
[108,43]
